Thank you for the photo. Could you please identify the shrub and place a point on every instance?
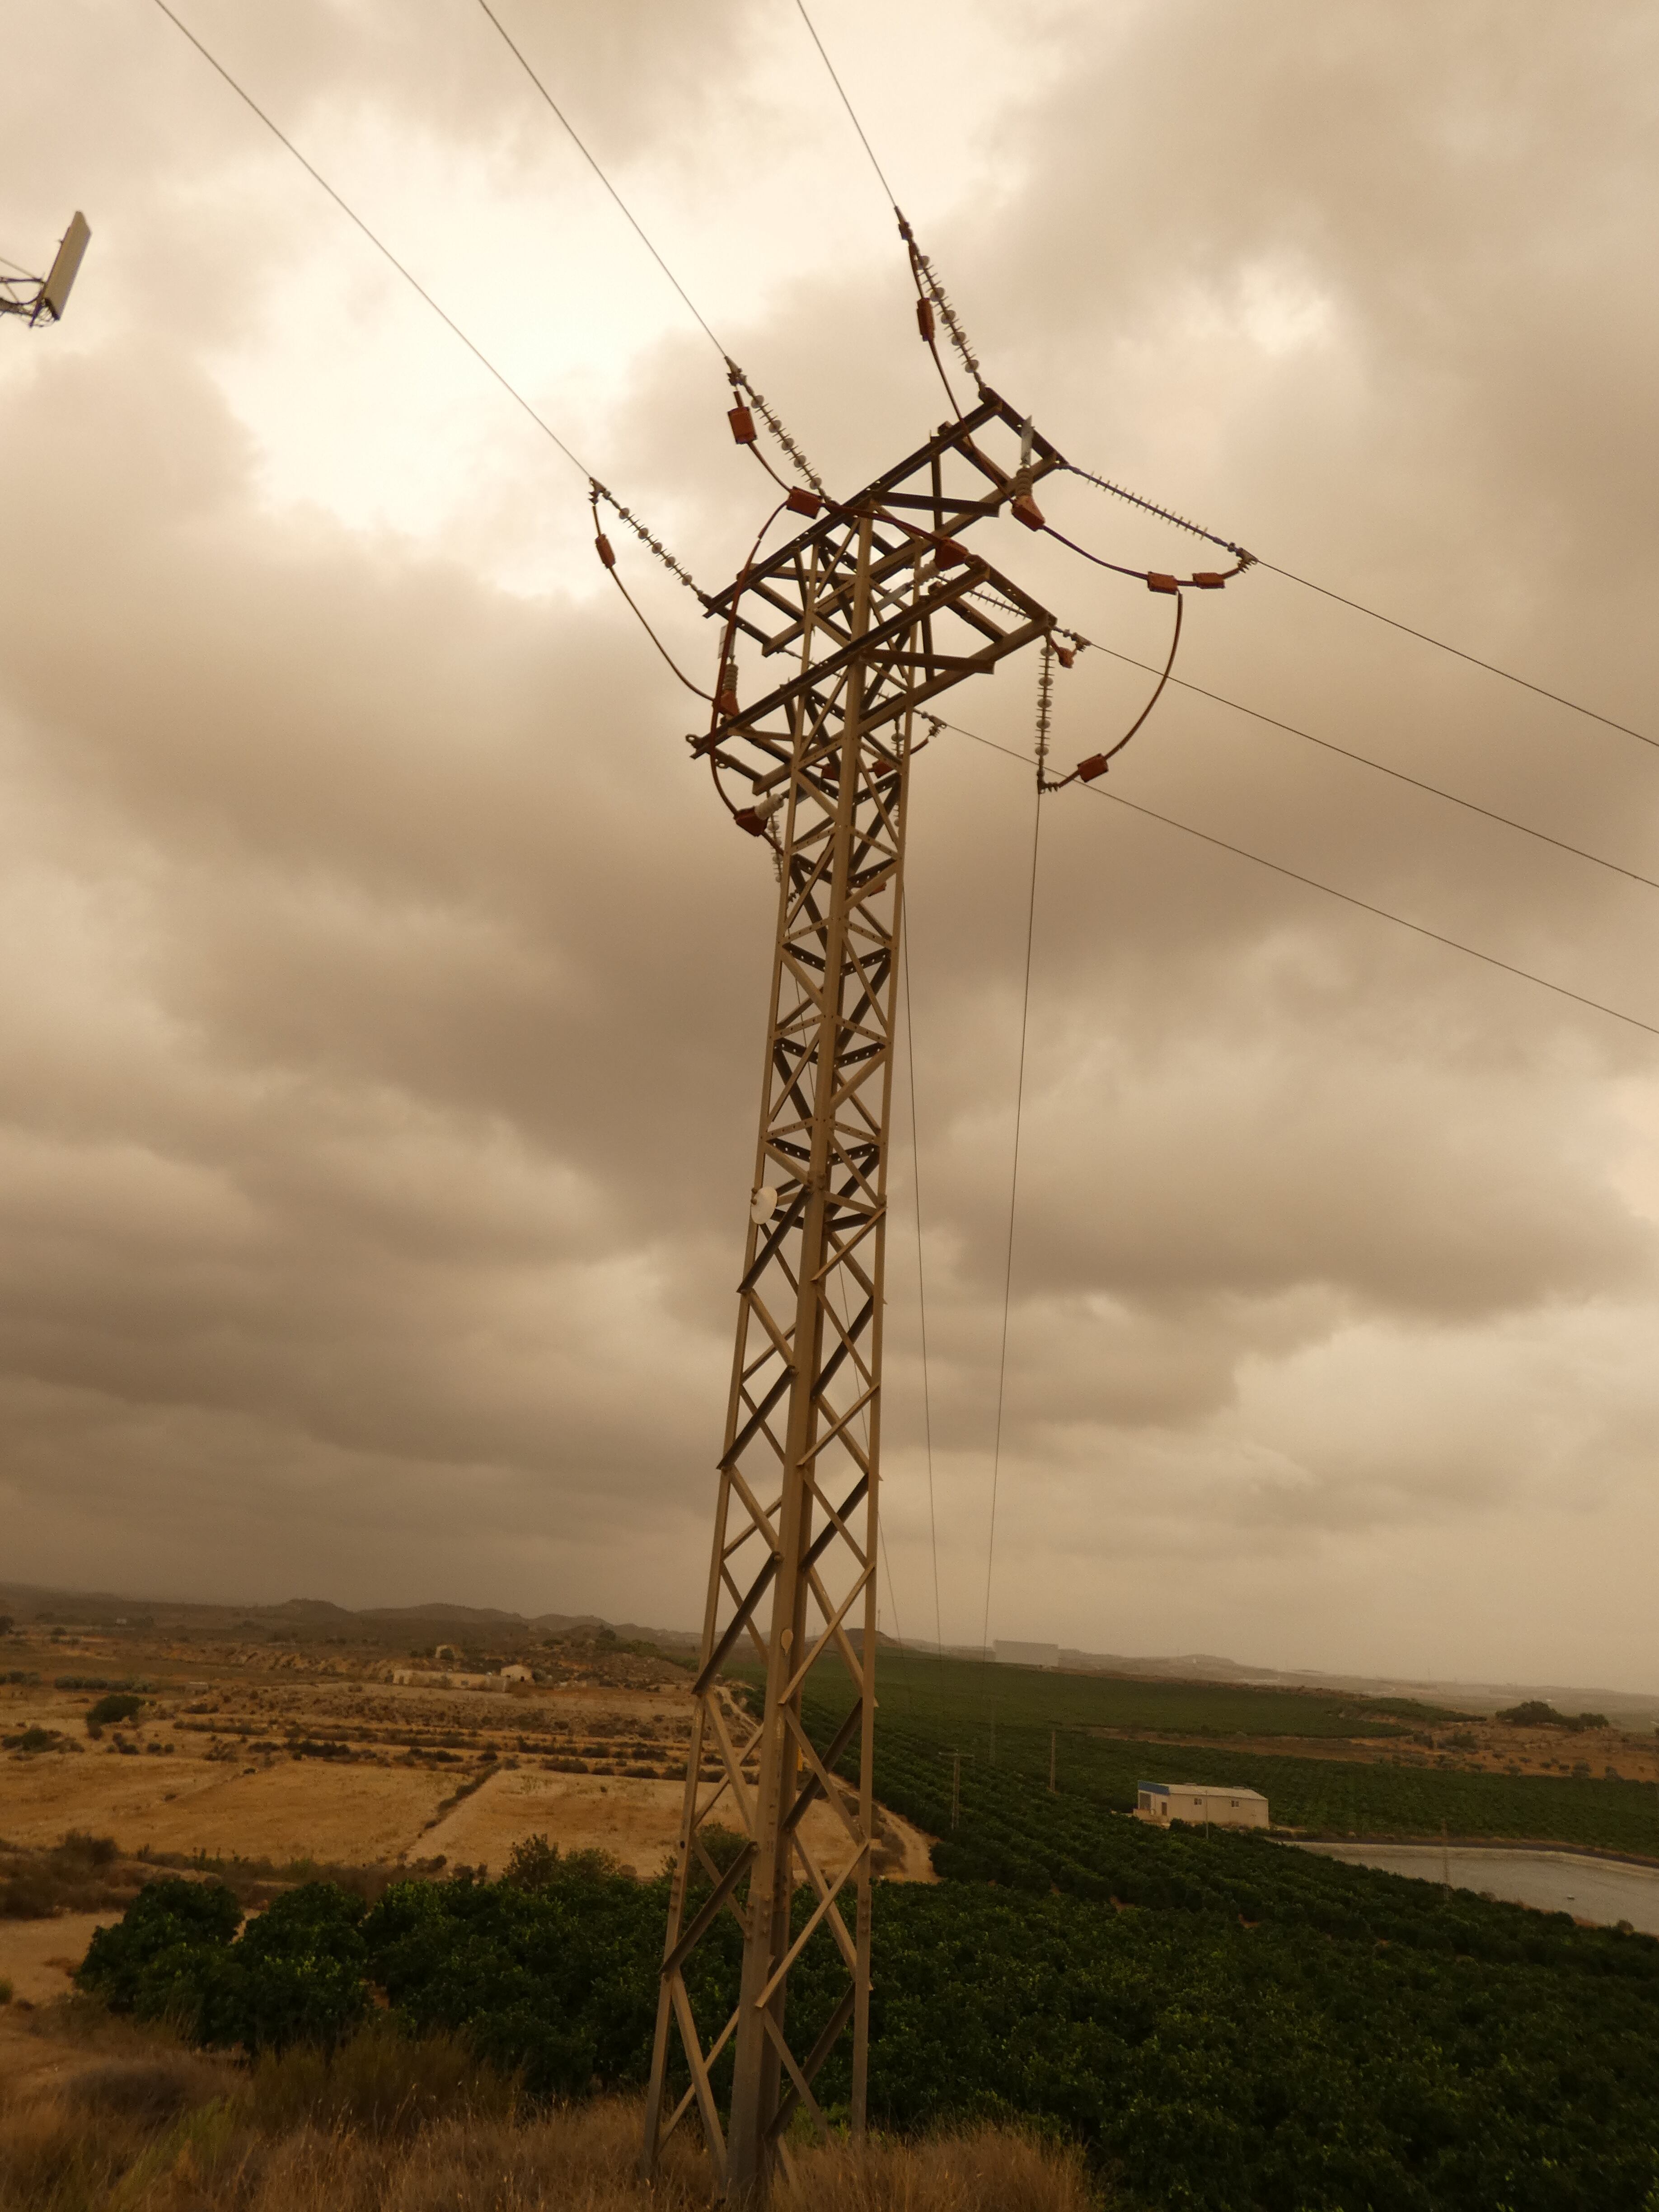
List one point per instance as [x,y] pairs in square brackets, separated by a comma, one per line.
[296,1976]
[559,1982]
[533,1864]
[79,1850]
[158,1960]
[119,1705]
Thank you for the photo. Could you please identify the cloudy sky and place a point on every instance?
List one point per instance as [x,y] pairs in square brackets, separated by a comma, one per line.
[383,993]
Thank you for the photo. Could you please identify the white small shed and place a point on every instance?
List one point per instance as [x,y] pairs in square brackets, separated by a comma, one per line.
[1221,1806]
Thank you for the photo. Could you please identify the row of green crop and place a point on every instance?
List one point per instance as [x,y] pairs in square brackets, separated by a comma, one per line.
[957,1692]
[1302,2064]
[1320,1795]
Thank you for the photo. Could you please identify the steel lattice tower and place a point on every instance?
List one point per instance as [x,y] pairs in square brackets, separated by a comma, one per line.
[875,609]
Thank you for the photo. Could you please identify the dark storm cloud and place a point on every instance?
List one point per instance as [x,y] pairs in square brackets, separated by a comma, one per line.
[384,994]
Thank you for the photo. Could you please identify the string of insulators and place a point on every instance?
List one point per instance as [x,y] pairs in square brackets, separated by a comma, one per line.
[1196,530]
[606,552]
[936,297]
[1045,703]
[745,415]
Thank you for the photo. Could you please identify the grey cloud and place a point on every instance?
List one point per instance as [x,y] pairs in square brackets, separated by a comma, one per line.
[383,991]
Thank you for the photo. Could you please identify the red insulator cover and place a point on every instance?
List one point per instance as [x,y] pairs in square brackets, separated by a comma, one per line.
[1065,655]
[1026,510]
[603,548]
[1207,581]
[802,501]
[726,703]
[743,424]
[746,818]
[1157,582]
[1094,766]
[925,318]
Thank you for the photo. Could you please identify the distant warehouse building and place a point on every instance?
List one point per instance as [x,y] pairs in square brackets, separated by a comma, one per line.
[1164,1801]
[1027,1654]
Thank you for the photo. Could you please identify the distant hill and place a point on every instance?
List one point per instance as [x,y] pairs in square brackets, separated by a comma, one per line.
[396,1626]
[438,1620]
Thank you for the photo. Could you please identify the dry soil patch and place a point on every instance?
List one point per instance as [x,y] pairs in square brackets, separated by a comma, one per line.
[293,1808]
[634,1820]
[38,1957]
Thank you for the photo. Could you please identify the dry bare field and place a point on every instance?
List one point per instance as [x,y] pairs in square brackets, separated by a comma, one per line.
[296,1752]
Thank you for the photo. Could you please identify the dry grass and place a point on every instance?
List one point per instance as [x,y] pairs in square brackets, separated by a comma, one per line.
[979,2169]
[137,2125]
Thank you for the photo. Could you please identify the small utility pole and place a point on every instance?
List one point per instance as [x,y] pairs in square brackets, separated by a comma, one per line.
[1051,1733]
[43,299]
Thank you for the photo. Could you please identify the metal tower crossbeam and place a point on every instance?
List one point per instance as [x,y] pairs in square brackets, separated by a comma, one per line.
[872,610]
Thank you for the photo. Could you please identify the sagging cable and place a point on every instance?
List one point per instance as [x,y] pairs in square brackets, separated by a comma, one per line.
[607,554]
[1203,579]
[1087,770]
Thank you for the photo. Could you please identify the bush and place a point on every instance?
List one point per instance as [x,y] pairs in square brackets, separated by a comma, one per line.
[119,1705]
[558,1983]
[80,1851]
[74,1876]
[160,1958]
[295,1977]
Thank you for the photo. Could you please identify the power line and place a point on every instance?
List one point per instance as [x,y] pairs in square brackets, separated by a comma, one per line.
[1475,660]
[922,1286]
[852,113]
[1400,775]
[1348,898]
[1492,667]
[1558,698]
[380,245]
[628,213]
[1014,1197]
[737,378]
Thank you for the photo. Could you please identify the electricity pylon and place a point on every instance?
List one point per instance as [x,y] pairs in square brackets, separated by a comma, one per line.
[874,609]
